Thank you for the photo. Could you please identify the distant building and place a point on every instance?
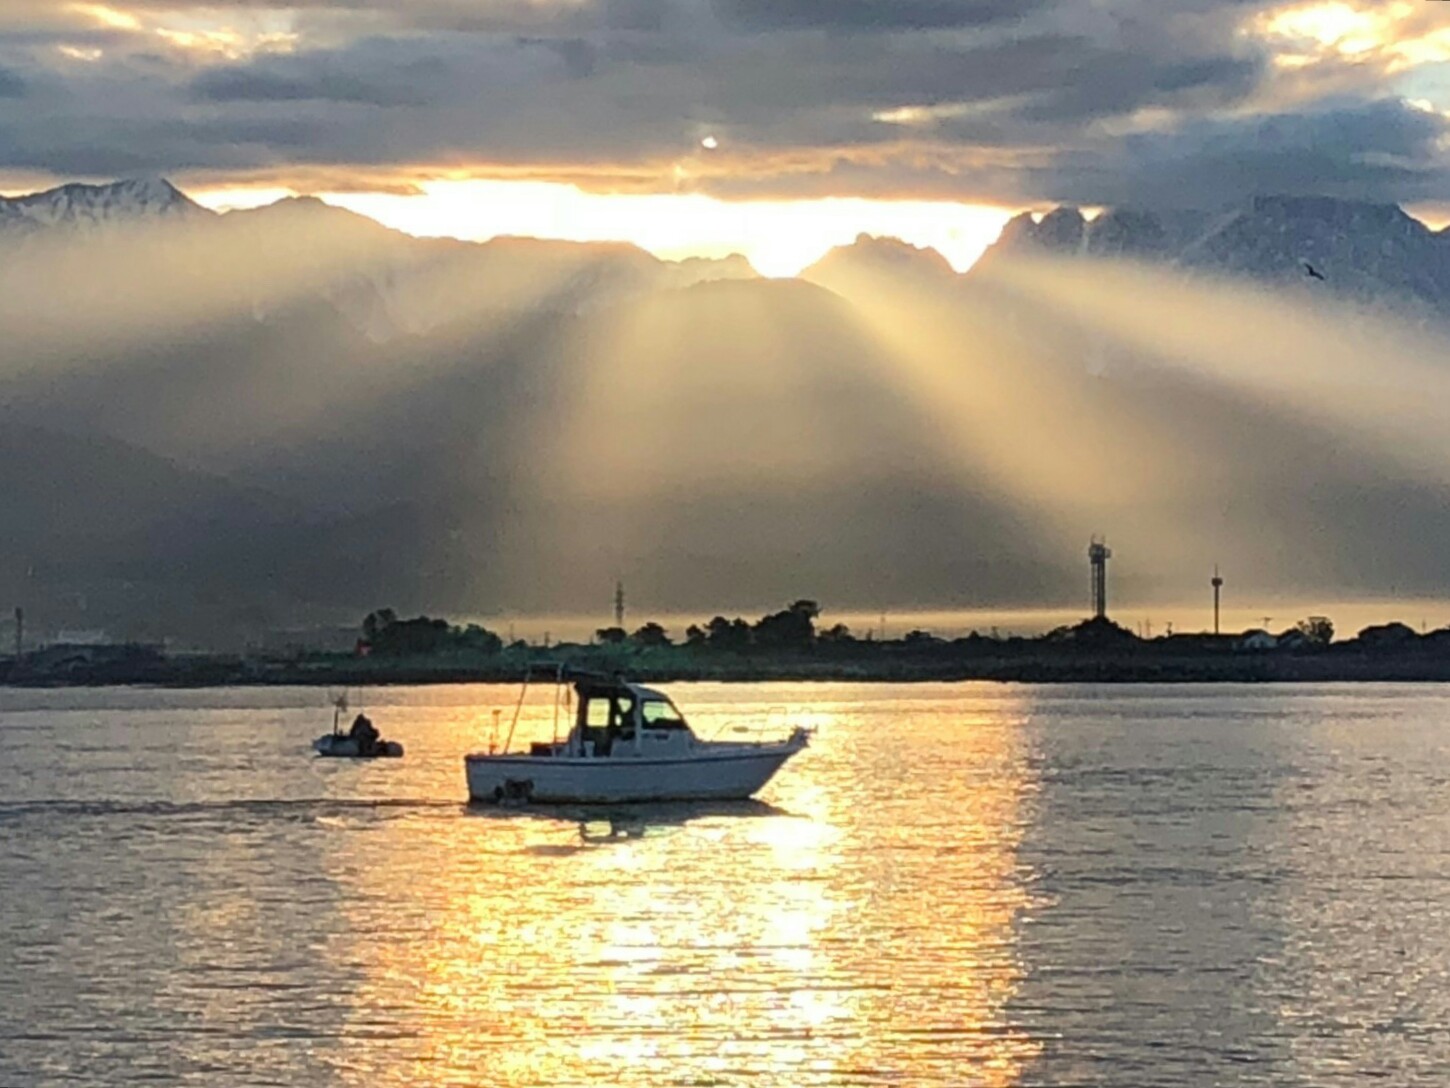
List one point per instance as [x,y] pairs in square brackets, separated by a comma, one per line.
[1387,636]
[1294,639]
[81,638]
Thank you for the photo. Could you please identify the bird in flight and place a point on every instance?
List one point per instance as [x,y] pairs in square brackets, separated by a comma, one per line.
[1311,271]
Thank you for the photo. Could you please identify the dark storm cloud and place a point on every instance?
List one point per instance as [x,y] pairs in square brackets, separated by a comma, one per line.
[1121,82]
[11,85]
[129,147]
[500,16]
[328,78]
[1000,99]
[881,15]
[1377,150]
[1382,151]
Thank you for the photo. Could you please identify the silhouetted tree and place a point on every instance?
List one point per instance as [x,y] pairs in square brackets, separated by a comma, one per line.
[696,636]
[728,634]
[837,633]
[1317,629]
[417,637]
[390,636]
[651,635]
[791,628]
[479,639]
[611,636]
[377,621]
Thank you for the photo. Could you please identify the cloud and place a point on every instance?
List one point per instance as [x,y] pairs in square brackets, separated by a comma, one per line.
[876,15]
[1385,150]
[323,79]
[1004,100]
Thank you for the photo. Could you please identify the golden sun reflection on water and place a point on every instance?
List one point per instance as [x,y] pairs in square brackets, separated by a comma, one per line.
[856,924]
[957,884]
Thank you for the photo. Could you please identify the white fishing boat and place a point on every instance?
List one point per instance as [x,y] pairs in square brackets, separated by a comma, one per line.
[628,743]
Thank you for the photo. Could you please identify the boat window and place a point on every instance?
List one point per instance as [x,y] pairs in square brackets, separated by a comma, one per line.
[597,714]
[661,714]
[625,714]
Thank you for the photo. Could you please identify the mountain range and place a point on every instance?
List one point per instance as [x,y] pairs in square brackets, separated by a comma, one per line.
[216,424]
[1372,252]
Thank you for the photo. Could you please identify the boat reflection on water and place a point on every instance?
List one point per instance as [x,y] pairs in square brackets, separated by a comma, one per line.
[615,824]
[637,822]
[601,825]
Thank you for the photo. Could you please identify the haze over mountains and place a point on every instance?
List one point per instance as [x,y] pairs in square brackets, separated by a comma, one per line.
[214,425]
[1374,252]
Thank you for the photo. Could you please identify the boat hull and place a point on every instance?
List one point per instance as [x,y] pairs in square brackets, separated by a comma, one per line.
[335,746]
[731,775]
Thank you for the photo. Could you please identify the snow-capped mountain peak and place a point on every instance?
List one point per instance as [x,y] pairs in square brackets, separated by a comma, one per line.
[80,205]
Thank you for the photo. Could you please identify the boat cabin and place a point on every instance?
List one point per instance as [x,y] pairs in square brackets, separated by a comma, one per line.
[620,720]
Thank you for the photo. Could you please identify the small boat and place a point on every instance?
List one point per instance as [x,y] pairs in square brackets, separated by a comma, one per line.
[361,741]
[341,746]
[628,743]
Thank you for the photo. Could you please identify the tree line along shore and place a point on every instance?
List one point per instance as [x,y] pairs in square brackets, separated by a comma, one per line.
[790,644]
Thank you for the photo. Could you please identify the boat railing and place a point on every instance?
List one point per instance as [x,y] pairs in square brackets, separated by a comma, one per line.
[775,724]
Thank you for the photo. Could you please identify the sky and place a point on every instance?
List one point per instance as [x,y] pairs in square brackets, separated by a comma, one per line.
[775,128]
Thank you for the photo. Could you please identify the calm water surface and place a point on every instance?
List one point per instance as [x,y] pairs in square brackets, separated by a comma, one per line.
[958,884]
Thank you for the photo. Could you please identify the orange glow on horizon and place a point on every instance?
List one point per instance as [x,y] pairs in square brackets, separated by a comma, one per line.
[778,237]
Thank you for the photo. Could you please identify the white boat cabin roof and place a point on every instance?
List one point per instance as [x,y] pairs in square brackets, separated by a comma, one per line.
[590,687]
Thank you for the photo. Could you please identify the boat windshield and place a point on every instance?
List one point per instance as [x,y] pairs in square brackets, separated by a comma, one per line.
[661,714]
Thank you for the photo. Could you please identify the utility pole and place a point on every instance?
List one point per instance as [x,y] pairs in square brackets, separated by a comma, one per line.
[1098,556]
[1217,584]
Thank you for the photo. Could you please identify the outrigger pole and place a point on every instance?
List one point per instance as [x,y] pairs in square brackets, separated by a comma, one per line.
[559,670]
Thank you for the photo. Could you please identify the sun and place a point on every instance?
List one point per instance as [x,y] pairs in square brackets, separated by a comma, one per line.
[1337,27]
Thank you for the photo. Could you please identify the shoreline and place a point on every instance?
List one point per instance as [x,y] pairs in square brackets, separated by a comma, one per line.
[1063,666]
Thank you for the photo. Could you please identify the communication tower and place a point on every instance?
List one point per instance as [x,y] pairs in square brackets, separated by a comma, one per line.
[1098,556]
[1217,584]
[619,605]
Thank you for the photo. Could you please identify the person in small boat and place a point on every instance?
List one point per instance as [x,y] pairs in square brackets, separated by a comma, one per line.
[364,733]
